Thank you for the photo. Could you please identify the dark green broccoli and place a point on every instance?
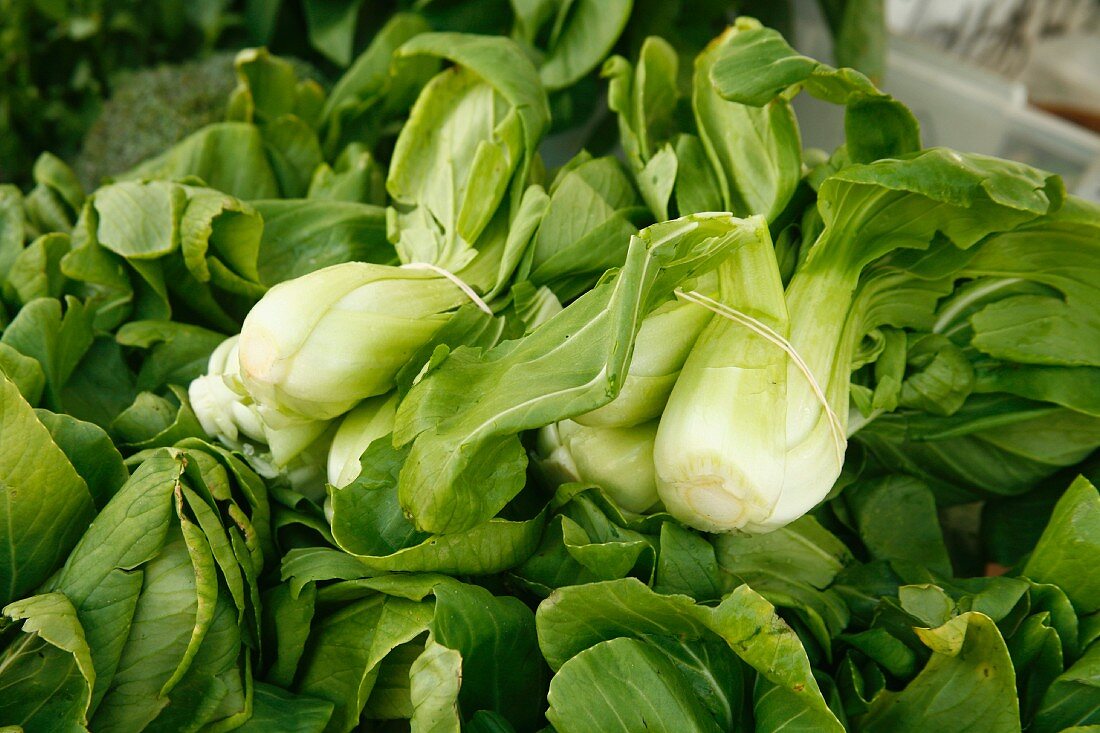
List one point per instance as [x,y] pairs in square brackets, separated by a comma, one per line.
[152,109]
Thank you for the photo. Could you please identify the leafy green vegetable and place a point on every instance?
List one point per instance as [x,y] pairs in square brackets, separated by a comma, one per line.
[160,562]
[590,617]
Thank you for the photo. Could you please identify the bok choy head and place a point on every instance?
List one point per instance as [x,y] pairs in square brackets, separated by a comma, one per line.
[755,430]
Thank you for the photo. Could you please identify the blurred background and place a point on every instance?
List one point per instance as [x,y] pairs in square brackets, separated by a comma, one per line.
[1017,79]
[104,83]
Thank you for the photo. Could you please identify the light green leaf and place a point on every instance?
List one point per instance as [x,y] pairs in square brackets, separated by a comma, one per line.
[153,421]
[802,551]
[97,578]
[1074,697]
[755,152]
[968,684]
[578,617]
[1068,551]
[434,681]
[377,87]
[24,371]
[644,98]
[12,231]
[228,156]
[1044,327]
[301,236]
[585,229]
[52,656]
[57,341]
[90,451]
[139,220]
[482,120]
[356,177]
[501,668]
[624,685]
[758,66]
[45,505]
[294,153]
[345,648]
[172,614]
[367,522]
[501,64]
[36,271]
[584,32]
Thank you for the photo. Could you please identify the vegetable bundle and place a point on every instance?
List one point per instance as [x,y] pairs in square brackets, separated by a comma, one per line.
[721,435]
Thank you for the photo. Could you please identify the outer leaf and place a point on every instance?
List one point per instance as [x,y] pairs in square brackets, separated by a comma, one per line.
[24,371]
[90,451]
[172,614]
[585,229]
[579,617]
[1073,698]
[758,66]
[434,681]
[624,685]
[501,669]
[367,522]
[275,710]
[178,352]
[331,26]
[995,444]
[52,619]
[369,75]
[483,121]
[44,504]
[228,156]
[12,234]
[968,684]
[498,62]
[301,236]
[344,650]
[645,100]
[896,518]
[36,272]
[57,341]
[802,551]
[1069,550]
[686,564]
[98,578]
[582,39]
[1043,327]
[755,152]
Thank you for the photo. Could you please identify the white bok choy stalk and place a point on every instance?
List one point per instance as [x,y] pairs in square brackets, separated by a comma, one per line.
[273,443]
[732,432]
[664,342]
[371,419]
[315,346]
[617,459]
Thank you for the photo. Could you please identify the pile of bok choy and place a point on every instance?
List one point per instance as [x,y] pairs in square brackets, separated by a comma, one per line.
[299,433]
